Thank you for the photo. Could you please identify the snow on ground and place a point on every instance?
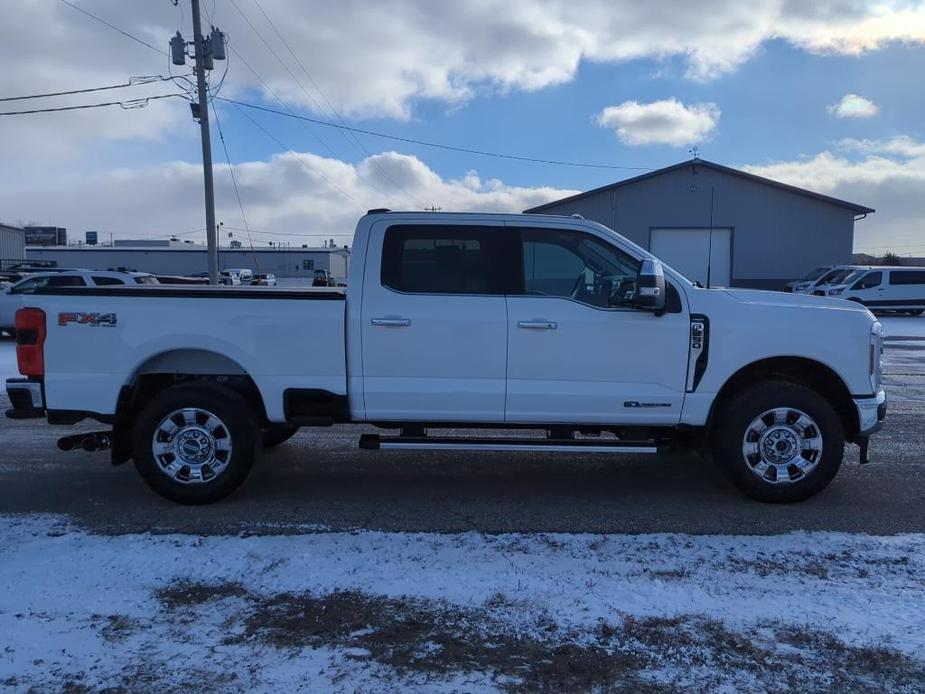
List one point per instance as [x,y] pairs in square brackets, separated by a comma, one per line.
[370,610]
[8,367]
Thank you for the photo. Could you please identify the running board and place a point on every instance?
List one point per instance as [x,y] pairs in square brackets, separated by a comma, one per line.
[427,443]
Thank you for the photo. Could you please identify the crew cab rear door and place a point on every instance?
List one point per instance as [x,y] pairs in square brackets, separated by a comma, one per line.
[434,322]
[578,351]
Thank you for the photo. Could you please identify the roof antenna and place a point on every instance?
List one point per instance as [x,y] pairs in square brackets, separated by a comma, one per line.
[710,243]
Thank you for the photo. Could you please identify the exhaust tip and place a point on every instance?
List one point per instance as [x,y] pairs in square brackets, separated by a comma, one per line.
[66,443]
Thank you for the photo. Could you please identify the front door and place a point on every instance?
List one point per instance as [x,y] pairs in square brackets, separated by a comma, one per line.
[434,323]
[578,352]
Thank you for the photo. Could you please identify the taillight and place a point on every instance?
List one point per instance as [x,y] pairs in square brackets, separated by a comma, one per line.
[30,341]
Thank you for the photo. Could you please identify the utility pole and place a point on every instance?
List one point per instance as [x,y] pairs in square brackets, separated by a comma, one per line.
[205,50]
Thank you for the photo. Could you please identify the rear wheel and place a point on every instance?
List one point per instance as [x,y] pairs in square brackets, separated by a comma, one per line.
[195,443]
[778,442]
[276,434]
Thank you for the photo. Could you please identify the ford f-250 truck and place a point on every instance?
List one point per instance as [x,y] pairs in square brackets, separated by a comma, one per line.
[529,323]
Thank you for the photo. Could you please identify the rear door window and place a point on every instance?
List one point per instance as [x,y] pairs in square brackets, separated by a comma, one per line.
[448,259]
[106,281]
[907,277]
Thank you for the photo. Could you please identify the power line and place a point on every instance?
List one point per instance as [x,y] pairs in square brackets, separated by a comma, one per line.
[133,82]
[296,154]
[234,182]
[113,26]
[128,105]
[351,138]
[270,90]
[437,145]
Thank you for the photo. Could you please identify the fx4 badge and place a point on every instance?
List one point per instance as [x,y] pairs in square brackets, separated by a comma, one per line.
[94,319]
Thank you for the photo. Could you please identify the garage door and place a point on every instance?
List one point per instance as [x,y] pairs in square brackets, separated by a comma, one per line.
[689,252]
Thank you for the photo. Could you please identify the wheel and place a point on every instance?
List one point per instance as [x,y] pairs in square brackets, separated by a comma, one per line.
[276,434]
[195,443]
[778,442]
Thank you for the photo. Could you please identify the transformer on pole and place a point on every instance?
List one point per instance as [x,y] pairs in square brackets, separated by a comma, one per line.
[205,51]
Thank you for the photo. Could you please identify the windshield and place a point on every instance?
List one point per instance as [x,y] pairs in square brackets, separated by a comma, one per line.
[851,276]
[815,273]
[833,276]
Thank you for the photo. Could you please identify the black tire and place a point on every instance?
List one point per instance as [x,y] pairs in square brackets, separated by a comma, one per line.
[238,423]
[276,434]
[734,422]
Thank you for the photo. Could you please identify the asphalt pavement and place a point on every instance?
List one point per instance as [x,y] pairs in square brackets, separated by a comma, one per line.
[320,480]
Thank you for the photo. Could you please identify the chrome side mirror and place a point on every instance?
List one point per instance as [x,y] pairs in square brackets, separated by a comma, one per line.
[651,293]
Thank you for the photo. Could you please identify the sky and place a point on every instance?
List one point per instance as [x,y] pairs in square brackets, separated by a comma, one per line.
[826,95]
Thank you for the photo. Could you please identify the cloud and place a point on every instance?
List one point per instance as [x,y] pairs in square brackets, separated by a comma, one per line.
[666,122]
[853,106]
[301,196]
[378,59]
[887,175]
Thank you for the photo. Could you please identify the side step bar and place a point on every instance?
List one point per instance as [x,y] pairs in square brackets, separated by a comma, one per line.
[427,443]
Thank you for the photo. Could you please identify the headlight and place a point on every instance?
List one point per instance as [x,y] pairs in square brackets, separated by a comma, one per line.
[836,292]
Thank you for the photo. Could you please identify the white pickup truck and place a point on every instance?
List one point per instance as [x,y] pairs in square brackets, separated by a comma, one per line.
[555,328]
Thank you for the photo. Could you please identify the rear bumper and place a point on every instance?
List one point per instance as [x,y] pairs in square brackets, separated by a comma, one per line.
[26,399]
[871,412]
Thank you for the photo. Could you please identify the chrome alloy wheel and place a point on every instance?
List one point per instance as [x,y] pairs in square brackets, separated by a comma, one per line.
[782,446]
[191,446]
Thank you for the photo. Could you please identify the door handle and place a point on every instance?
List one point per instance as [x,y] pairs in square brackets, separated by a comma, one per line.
[537,324]
[395,322]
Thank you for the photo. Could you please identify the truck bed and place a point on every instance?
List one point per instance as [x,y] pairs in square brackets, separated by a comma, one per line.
[99,339]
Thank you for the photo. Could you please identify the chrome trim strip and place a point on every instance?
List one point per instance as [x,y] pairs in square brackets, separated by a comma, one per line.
[543,448]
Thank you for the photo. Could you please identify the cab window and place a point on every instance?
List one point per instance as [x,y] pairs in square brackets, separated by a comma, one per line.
[870,280]
[451,259]
[106,281]
[573,265]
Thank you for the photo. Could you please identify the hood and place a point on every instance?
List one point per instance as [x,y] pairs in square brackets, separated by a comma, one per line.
[760,297]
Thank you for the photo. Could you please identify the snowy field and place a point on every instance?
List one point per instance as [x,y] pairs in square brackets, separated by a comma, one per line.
[375,611]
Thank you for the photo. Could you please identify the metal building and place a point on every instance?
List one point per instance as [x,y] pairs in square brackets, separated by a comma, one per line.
[12,245]
[715,223]
[184,260]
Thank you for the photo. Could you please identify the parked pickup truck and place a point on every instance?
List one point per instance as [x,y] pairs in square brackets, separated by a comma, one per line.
[554,328]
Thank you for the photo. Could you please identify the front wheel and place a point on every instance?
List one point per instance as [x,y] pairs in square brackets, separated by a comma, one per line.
[778,442]
[195,443]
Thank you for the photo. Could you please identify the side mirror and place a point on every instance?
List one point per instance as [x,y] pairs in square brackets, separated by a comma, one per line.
[651,293]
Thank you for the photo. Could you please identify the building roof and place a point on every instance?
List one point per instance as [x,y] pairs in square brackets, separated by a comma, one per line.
[859,209]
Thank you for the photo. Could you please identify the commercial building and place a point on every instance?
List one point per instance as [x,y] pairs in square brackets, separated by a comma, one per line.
[12,245]
[177,258]
[45,236]
[718,224]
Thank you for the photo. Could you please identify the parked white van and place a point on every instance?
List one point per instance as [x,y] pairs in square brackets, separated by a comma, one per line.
[888,289]
[833,276]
